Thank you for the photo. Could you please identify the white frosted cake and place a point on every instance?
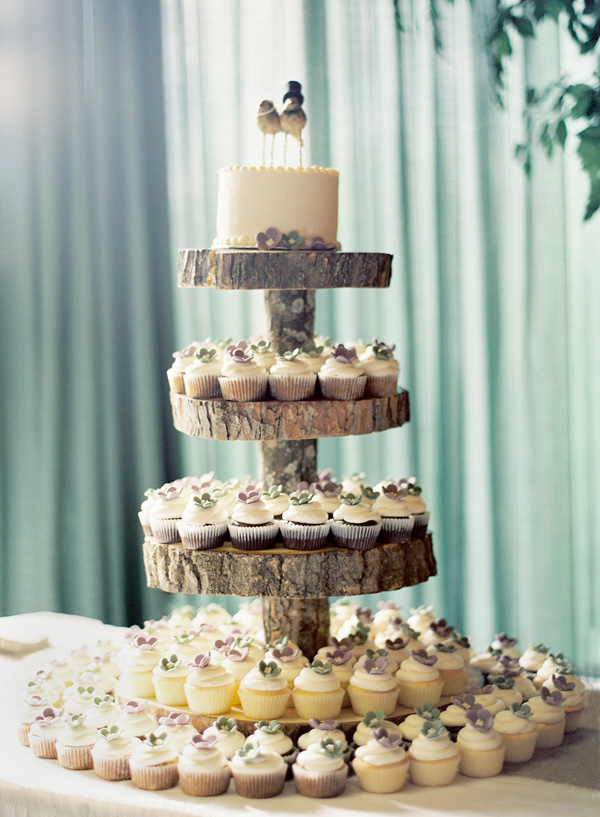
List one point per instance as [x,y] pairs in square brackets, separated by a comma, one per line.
[251,200]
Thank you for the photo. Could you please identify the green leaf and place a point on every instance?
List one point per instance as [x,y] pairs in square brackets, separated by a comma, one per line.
[593,132]
[593,203]
[546,139]
[523,25]
[589,153]
[553,8]
[501,44]
[561,132]
[530,96]
[539,11]
[584,97]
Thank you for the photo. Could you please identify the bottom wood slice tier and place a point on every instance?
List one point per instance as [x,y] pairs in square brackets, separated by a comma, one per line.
[286,573]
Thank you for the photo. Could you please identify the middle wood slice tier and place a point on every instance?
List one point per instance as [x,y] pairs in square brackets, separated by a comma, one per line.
[268,420]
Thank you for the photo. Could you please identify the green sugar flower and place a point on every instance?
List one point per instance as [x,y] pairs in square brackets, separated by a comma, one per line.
[224,724]
[291,354]
[205,501]
[369,493]
[205,355]
[349,499]
[274,492]
[170,662]
[428,712]
[269,670]
[374,719]
[320,667]
[331,747]
[302,498]
[269,727]
[311,349]
[433,729]
[292,241]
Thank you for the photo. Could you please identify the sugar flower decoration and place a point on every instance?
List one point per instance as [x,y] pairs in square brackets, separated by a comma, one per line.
[369,494]
[521,710]
[74,721]
[561,683]
[331,747]
[204,501]
[224,724]
[187,352]
[387,740]
[326,726]
[349,499]
[291,354]
[286,654]
[144,644]
[377,667]
[249,497]
[505,641]
[428,712]
[133,707]
[382,351]
[170,662]
[395,493]
[341,643]
[302,498]
[104,702]
[270,670]
[274,492]
[201,661]
[338,657]
[175,719]
[111,733]
[49,716]
[466,702]
[205,355]
[328,490]
[156,738]
[396,643]
[551,698]
[203,743]
[480,719]
[503,682]
[373,720]
[359,633]
[269,727]
[318,244]
[312,350]
[424,658]
[250,752]
[320,667]
[269,240]
[343,355]
[477,690]
[433,729]
[240,352]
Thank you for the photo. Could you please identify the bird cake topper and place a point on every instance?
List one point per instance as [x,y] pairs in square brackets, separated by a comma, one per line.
[291,121]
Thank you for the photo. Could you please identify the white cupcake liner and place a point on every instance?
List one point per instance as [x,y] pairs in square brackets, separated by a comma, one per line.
[145,523]
[396,529]
[23,733]
[202,386]
[44,747]
[210,700]
[381,779]
[320,784]
[75,757]
[154,778]
[245,389]
[420,525]
[111,768]
[202,537]
[381,385]
[342,388]
[304,537]
[199,783]
[176,382]
[254,537]
[165,531]
[259,786]
[292,387]
[355,537]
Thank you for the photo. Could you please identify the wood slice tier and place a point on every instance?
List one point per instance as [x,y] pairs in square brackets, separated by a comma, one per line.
[286,573]
[294,420]
[256,269]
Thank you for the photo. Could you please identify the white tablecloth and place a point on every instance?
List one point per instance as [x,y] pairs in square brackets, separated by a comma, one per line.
[30,787]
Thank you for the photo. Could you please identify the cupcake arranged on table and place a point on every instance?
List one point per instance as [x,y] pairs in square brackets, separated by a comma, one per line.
[328,495]
[518,732]
[276,500]
[355,525]
[400,630]
[481,748]
[342,664]
[135,720]
[454,716]
[320,770]
[33,706]
[572,704]
[111,753]
[305,524]
[103,712]
[420,618]
[432,757]
[203,769]
[270,735]
[462,646]
[372,687]
[181,360]
[263,692]
[387,611]
[237,661]
[143,654]
[178,727]
[554,664]
[396,518]
[44,732]
[392,664]
[320,730]
[369,725]
[229,738]
[411,725]
[209,688]
[504,689]
[203,523]
[252,526]
[291,378]
[381,369]
[417,507]
[290,661]
[419,681]
[341,377]
[354,483]
[263,353]
[184,642]
[533,657]
[80,700]
[547,712]
[258,773]
[242,378]
[484,696]
[144,511]
[74,743]
[317,692]
[201,377]
[451,668]
[165,514]
[381,765]
[153,765]
[510,668]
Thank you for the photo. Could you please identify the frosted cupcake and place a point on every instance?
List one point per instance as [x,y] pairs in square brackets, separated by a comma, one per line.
[44,732]
[438,632]
[111,753]
[168,678]
[313,355]
[74,743]
[290,661]
[264,692]
[462,646]
[518,732]
[387,611]
[178,727]
[252,526]
[572,704]
[484,696]
[342,664]
[203,523]
[33,706]
[396,518]
[238,662]
[305,524]
[420,618]
[242,378]
[270,735]
[354,483]
[451,668]
[103,712]
[432,757]
[454,717]
[165,514]
[370,723]
[506,645]
[153,765]
[547,712]
[327,494]
[142,656]
[411,725]
[184,642]
[229,738]
[320,730]
[504,689]
[554,664]
[533,657]
[341,378]
[382,764]
[263,353]
[276,500]
[512,669]
[257,772]
[417,507]
[181,360]
[135,720]
[488,662]
[317,692]
[144,511]
[381,369]
[419,681]
[290,378]
[80,700]
[372,687]
[209,688]
[373,655]
[481,747]
[320,770]
[355,525]
[203,769]
[201,377]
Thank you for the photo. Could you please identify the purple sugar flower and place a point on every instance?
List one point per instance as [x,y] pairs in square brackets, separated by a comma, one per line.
[187,352]
[240,352]
[480,719]
[317,243]
[552,698]
[133,707]
[423,658]
[386,740]
[224,646]
[477,690]
[172,492]
[269,240]
[343,355]
[235,654]
[466,702]
[505,641]
[365,614]
[284,655]
[561,683]
[386,605]
[49,717]
[249,498]
[396,643]
[145,644]
[441,628]
[175,719]
[329,490]
[377,667]
[326,726]
[325,475]
[394,492]
[338,657]
[203,743]
[201,661]
[342,643]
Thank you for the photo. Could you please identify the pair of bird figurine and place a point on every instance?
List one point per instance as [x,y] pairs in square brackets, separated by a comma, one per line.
[291,121]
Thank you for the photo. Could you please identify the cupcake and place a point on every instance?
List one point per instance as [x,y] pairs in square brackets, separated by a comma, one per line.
[313,355]
[371,722]
[419,680]
[145,509]
[290,378]
[320,730]
[392,665]
[276,500]
[111,753]
[481,748]
[512,669]
[451,668]
[420,618]
[381,369]
[372,687]
[34,705]
[354,483]
[555,664]
[264,692]
[181,360]
[203,523]
[547,712]
[80,700]
[178,727]
[209,688]
[270,735]
[454,716]
[142,656]
[398,648]
[533,657]
[572,705]
[238,662]
[341,378]
[317,692]
[252,526]
[437,632]
[258,773]
[382,764]
[487,662]
[411,725]
[387,611]
[103,712]
[96,674]
[462,645]
[506,645]
[396,519]
[355,525]
[263,353]
[44,731]
[203,768]
[289,660]
[305,524]
[135,720]
[74,743]
[201,377]
[356,637]
[242,377]
[153,765]
[165,514]
[327,494]
[518,732]
[168,678]
[342,664]
[417,507]
[229,738]
[504,689]
[320,770]
[186,643]
[432,757]
[484,696]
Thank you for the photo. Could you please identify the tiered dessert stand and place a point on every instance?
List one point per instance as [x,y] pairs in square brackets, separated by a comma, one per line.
[295,585]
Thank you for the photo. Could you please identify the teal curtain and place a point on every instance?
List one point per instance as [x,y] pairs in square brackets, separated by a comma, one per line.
[114,118]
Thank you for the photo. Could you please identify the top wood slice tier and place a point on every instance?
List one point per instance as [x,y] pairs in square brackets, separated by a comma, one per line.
[257,269]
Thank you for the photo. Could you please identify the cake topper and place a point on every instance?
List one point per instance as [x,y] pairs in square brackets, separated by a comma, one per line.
[291,121]
[268,121]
